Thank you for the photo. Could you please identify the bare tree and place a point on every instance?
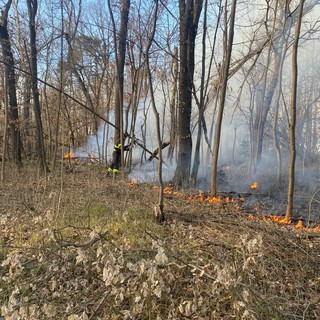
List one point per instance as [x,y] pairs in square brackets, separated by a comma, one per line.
[158,210]
[32,10]
[173,110]
[228,42]
[293,112]
[202,100]
[5,133]
[190,11]
[120,52]
[10,79]
[282,22]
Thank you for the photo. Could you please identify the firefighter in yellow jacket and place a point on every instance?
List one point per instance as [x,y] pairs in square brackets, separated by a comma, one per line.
[116,158]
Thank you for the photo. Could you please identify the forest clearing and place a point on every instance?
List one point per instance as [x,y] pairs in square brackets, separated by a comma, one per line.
[81,245]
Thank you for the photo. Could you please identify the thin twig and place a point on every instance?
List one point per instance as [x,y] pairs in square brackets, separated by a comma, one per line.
[100,304]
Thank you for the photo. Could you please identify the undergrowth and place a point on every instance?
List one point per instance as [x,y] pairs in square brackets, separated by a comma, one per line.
[83,246]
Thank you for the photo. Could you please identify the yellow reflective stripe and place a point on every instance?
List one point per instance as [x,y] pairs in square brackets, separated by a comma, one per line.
[109,169]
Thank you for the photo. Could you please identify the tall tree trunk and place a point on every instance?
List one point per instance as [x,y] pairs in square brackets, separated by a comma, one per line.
[275,122]
[27,126]
[202,101]
[190,11]
[60,93]
[264,100]
[270,79]
[196,159]
[173,110]
[293,111]
[120,49]
[158,210]
[224,83]
[5,131]
[11,85]
[32,10]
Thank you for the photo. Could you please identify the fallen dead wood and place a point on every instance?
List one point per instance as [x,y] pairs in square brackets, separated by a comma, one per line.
[156,151]
[85,245]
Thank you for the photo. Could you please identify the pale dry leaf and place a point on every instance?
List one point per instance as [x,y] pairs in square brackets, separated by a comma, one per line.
[49,310]
[161,257]
[74,317]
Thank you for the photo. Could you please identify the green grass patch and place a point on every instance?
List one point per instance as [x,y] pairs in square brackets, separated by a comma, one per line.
[125,226]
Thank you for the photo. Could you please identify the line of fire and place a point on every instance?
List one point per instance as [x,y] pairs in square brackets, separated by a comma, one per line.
[240,200]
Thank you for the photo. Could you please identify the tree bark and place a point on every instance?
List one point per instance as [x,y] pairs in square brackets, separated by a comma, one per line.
[190,11]
[293,111]
[201,106]
[173,110]
[5,131]
[11,86]
[158,210]
[224,83]
[32,10]
[120,51]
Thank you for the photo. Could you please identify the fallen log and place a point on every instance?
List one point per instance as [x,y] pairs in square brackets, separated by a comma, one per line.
[156,151]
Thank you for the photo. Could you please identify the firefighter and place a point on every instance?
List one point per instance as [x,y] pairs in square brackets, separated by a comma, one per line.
[116,158]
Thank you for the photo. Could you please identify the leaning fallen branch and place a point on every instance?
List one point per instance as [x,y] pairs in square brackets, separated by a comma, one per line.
[102,301]
[85,245]
[156,151]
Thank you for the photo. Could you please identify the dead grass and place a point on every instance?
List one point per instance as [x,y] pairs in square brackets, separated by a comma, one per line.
[83,246]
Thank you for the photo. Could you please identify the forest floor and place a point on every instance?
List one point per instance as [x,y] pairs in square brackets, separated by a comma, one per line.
[81,245]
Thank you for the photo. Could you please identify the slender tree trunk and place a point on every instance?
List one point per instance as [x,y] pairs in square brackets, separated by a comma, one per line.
[60,94]
[5,131]
[27,127]
[293,108]
[270,81]
[190,11]
[32,10]
[265,101]
[120,61]
[13,114]
[158,210]
[275,123]
[201,106]
[173,110]
[226,65]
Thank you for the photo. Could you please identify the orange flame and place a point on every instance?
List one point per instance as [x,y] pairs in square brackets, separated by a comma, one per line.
[254,185]
[168,189]
[300,226]
[132,184]
[68,155]
[202,197]
[213,199]
[284,220]
[278,219]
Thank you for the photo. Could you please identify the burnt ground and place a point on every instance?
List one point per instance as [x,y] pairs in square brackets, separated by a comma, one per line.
[269,198]
[80,245]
